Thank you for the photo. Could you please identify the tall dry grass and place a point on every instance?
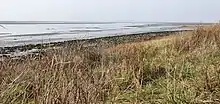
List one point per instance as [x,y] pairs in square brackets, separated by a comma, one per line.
[202,37]
[176,69]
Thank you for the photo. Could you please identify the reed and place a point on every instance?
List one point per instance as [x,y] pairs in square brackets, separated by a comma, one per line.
[182,68]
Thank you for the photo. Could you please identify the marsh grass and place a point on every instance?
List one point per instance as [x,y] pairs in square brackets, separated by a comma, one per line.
[183,68]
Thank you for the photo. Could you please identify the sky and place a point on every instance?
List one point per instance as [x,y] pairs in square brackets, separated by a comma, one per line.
[111,10]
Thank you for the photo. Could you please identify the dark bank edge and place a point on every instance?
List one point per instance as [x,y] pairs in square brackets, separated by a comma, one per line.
[117,39]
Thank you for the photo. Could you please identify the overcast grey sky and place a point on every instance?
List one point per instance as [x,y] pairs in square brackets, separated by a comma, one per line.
[111,10]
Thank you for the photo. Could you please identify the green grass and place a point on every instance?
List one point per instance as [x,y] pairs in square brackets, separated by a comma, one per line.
[178,69]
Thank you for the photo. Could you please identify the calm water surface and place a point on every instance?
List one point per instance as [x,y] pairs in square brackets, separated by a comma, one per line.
[23,34]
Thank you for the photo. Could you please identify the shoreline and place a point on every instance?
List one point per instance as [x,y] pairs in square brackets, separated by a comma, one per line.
[37,48]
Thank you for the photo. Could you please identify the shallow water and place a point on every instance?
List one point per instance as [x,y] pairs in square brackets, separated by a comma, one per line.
[23,34]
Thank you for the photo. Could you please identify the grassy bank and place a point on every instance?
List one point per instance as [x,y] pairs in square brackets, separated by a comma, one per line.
[177,69]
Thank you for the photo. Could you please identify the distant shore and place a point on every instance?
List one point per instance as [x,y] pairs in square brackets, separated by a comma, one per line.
[98,22]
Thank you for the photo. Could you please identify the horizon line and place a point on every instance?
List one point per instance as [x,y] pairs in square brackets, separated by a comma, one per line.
[87,22]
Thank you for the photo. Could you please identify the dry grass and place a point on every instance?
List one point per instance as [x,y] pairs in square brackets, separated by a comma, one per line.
[203,37]
[176,69]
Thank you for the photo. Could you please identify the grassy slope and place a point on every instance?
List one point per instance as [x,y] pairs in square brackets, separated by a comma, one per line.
[175,69]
